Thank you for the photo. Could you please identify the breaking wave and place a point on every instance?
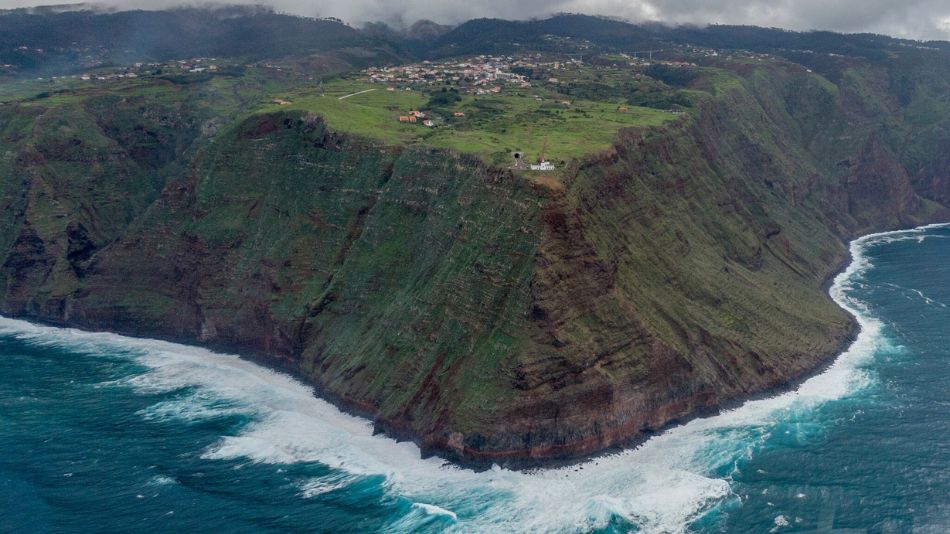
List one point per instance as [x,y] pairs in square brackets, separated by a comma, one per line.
[664,485]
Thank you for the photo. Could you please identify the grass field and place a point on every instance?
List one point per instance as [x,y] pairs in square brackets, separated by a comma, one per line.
[493,126]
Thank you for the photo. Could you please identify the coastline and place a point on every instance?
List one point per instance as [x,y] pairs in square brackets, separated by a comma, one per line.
[786,386]
[850,263]
[522,464]
[670,480]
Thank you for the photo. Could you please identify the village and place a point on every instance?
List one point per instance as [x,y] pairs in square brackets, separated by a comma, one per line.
[479,75]
[138,69]
[541,78]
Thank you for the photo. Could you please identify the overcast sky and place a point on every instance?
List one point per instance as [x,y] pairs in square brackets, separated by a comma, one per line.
[920,19]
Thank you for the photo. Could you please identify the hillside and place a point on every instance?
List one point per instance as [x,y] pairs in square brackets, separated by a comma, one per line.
[483,312]
[49,42]
[583,34]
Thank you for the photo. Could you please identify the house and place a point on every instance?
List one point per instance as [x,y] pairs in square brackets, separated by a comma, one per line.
[622,109]
[404,118]
[412,119]
[428,123]
[543,166]
[458,114]
[391,89]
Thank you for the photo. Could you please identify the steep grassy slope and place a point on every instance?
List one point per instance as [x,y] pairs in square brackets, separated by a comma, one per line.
[486,316]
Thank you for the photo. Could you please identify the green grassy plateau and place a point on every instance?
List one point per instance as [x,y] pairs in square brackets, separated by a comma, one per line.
[493,126]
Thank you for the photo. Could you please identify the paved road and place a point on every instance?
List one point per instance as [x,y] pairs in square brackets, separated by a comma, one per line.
[354,94]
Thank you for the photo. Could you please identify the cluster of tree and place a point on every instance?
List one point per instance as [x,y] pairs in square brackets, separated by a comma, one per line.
[447,97]
[675,76]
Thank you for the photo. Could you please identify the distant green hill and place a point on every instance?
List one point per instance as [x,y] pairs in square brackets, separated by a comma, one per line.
[61,40]
[58,42]
[492,35]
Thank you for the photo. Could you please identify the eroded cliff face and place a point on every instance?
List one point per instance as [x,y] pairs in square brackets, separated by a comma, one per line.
[683,271]
[488,317]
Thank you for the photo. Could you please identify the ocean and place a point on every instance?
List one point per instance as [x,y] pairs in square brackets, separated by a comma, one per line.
[100,432]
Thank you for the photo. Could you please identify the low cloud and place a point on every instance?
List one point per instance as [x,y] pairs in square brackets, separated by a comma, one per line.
[917,19]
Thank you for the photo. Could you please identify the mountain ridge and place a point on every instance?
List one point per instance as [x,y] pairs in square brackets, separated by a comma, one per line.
[86,37]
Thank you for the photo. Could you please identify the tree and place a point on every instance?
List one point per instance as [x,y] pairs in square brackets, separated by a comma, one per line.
[444,98]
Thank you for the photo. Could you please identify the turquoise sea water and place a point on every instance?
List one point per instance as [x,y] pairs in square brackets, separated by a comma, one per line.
[99,432]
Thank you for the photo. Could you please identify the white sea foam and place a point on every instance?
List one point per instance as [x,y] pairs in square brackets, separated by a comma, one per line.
[432,509]
[162,480]
[661,486]
[423,517]
[919,293]
[318,486]
[190,408]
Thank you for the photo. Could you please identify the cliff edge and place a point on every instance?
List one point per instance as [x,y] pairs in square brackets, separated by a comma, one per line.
[488,316]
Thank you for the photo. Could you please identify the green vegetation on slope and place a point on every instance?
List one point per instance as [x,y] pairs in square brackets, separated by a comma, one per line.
[489,317]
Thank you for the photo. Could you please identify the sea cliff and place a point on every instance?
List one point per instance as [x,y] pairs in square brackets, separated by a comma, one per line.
[488,316]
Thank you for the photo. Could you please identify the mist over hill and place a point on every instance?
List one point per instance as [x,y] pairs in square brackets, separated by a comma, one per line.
[57,41]
[913,19]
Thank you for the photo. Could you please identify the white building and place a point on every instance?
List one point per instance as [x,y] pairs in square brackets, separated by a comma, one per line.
[543,166]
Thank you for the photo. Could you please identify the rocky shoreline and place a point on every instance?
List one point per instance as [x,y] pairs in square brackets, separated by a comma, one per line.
[516,460]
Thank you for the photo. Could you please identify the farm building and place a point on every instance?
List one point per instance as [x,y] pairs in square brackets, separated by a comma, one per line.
[543,166]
